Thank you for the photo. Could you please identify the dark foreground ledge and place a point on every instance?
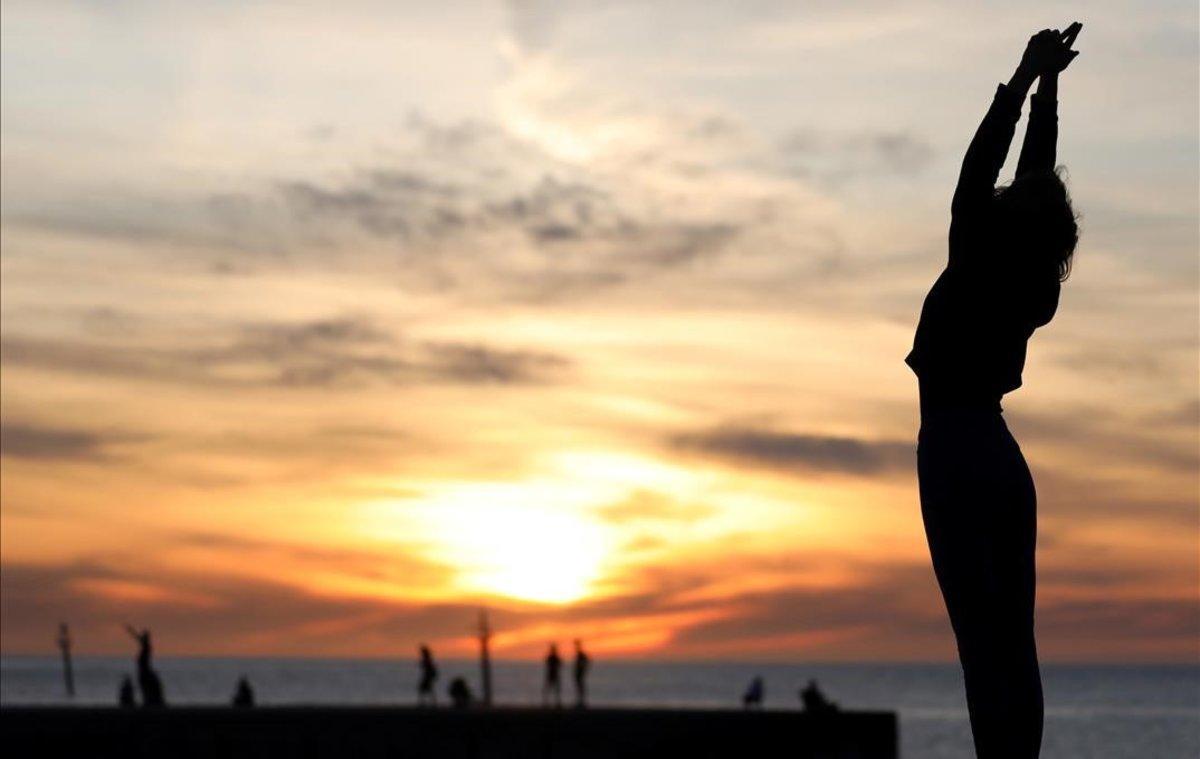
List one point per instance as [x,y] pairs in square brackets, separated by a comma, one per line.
[407,733]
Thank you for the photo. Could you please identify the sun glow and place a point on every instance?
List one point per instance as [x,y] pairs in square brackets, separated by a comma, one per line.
[529,540]
[538,539]
[532,553]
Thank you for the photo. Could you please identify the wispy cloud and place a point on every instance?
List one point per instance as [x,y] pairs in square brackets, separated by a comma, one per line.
[645,505]
[837,158]
[799,452]
[42,443]
[341,352]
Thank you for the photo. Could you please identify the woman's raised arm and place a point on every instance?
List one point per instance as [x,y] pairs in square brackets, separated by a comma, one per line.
[989,147]
[1038,151]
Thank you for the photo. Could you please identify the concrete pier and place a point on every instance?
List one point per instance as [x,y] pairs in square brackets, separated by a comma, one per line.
[408,733]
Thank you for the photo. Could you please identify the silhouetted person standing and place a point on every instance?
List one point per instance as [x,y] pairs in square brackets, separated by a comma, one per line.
[429,675]
[64,645]
[553,684]
[148,681]
[125,697]
[583,663]
[1010,248]
[753,697]
[243,696]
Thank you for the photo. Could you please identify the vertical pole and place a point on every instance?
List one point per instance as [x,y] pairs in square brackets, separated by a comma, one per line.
[64,645]
[485,658]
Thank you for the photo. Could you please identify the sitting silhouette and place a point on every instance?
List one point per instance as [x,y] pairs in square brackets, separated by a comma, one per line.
[814,700]
[148,680]
[243,696]
[1010,250]
[125,697]
[583,664]
[426,693]
[753,697]
[460,693]
[553,684]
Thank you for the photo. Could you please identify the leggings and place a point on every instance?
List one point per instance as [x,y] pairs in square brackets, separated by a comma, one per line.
[980,512]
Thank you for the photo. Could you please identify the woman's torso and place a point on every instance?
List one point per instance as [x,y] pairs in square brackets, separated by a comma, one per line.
[970,344]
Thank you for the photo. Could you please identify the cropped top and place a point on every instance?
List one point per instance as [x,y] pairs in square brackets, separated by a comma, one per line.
[970,343]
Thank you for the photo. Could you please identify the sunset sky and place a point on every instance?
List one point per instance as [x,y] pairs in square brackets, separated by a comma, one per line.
[326,324]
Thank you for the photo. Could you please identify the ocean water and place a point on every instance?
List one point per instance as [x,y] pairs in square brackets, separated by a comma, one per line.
[1092,712]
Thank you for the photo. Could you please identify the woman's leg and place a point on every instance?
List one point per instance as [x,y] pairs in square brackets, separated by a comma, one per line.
[980,513]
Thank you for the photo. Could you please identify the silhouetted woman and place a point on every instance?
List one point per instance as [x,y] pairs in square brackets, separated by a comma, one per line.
[583,665]
[426,692]
[1010,248]
[552,687]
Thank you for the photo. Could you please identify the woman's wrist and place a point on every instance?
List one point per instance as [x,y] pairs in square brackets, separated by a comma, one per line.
[1022,80]
[1048,85]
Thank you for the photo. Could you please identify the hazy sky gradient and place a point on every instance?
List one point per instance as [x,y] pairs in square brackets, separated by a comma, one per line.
[322,328]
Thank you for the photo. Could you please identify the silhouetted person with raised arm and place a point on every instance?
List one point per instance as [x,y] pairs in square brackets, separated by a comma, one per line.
[755,691]
[148,681]
[583,664]
[553,684]
[125,697]
[1010,249]
[426,692]
[243,695]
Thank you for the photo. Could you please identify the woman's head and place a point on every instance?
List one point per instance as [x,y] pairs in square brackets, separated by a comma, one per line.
[1034,219]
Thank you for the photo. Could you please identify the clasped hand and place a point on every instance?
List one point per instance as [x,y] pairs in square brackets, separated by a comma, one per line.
[1049,51]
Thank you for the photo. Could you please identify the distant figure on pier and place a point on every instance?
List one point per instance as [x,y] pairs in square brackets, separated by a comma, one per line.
[429,675]
[583,663]
[64,645]
[148,680]
[814,700]
[753,697]
[243,697]
[553,684]
[125,697]
[460,693]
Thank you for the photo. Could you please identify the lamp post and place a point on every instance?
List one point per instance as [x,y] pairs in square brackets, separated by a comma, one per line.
[64,645]
[485,658]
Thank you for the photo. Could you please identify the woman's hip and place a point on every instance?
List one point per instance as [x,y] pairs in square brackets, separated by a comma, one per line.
[971,457]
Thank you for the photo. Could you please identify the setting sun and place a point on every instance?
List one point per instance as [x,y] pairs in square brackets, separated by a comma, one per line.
[531,553]
[535,539]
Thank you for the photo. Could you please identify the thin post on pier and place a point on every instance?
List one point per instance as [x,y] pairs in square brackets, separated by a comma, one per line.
[64,645]
[485,657]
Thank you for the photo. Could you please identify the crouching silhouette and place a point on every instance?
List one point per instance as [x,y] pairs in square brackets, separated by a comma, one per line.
[243,696]
[460,693]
